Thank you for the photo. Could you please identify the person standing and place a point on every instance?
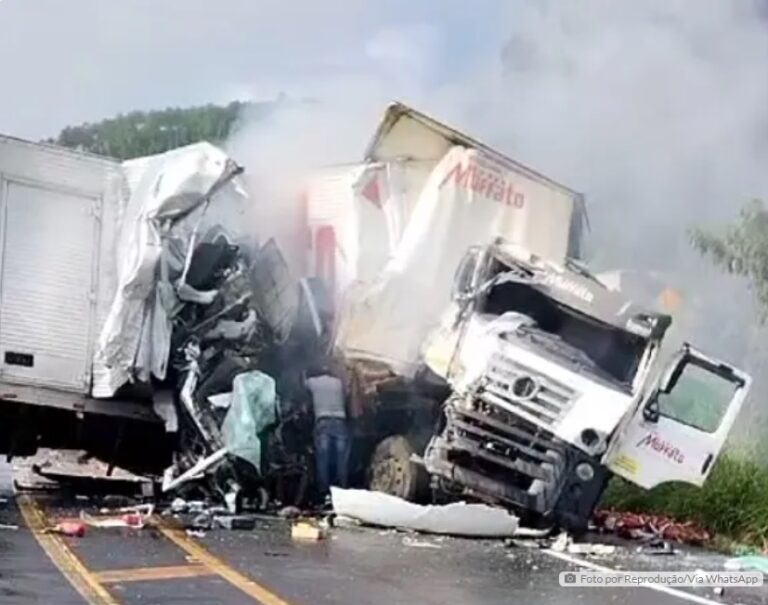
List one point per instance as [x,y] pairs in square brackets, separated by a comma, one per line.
[331,433]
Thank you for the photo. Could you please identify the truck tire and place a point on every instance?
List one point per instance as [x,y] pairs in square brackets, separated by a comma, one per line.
[391,470]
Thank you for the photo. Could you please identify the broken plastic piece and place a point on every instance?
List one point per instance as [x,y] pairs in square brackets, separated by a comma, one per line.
[193,473]
[414,543]
[75,529]
[459,519]
[221,401]
[303,530]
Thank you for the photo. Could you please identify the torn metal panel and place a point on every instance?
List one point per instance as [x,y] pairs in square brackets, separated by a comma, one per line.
[195,472]
[276,292]
[50,469]
[176,197]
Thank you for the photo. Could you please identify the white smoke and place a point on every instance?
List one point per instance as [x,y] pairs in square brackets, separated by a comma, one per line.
[656,110]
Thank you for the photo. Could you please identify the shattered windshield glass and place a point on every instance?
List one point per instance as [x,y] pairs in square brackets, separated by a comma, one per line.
[584,343]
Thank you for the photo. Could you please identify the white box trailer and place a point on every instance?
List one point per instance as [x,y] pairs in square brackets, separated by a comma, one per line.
[59,210]
[423,186]
[357,213]
[59,215]
[81,238]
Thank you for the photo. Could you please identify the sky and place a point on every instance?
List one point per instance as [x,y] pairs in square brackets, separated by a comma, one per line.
[69,61]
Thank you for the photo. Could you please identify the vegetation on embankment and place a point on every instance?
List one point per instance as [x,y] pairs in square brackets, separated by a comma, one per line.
[732,505]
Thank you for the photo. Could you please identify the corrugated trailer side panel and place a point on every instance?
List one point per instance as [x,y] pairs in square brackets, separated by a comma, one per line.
[59,211]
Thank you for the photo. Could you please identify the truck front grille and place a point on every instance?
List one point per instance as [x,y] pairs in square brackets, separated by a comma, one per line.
[504,448]
[525,392]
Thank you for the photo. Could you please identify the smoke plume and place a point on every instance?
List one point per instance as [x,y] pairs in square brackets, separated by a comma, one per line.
[655,110]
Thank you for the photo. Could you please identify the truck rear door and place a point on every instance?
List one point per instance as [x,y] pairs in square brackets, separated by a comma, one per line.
[49,242]
[677,430]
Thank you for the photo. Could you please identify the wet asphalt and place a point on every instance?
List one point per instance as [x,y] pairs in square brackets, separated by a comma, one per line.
[353,565]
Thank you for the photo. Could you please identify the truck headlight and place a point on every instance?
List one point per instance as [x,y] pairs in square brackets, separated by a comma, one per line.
[585,471]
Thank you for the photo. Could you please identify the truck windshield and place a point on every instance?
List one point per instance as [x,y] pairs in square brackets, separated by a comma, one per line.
[594,346]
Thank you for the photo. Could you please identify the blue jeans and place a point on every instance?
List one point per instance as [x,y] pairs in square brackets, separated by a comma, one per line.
[332,446]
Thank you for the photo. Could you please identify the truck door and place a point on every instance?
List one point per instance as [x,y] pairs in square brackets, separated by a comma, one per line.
[678,429]
[47,300]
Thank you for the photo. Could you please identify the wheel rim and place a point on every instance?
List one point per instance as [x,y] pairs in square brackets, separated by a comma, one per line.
[389,475]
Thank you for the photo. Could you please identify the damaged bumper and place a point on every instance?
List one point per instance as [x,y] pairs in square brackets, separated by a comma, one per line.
[490,454]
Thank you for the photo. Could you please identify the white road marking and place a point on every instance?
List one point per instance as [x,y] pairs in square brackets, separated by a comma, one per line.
[680,594]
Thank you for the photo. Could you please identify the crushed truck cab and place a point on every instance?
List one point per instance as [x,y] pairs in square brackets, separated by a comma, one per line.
[550,373]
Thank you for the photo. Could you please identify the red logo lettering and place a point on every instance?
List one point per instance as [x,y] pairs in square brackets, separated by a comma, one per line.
[655,443]
[484,182]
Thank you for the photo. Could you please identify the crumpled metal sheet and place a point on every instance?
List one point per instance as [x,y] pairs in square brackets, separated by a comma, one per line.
[170,200]
[457,519]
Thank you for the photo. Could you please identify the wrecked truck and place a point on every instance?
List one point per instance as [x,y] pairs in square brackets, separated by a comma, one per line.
[556,383]
[539,381]
[133,293]
[538,384]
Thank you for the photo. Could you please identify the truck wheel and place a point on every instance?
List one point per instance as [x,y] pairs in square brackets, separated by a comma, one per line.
[391,470]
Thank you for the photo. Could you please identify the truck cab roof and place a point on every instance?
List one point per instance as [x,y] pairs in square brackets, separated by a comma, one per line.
[574,286]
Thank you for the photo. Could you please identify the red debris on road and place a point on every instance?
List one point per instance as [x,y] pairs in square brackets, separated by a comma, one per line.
[645,526]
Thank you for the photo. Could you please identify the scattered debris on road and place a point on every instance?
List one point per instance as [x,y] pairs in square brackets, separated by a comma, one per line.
[133,517]
[649,527]
[564,543]
[509,380]
[307,530]
[73,529]
[414,543]
[656,547]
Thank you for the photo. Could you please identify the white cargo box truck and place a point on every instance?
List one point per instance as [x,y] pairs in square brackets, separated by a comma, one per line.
[58,213]
[80,236]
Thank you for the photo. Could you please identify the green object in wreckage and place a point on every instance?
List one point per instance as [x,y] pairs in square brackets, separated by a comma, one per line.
[253,409]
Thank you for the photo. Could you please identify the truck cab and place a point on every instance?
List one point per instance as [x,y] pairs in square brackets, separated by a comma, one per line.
[555,383]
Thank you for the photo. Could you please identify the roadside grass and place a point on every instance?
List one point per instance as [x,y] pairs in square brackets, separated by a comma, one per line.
[732,505]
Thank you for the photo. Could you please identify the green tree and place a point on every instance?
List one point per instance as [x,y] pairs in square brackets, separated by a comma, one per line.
[741,248]
[141,133]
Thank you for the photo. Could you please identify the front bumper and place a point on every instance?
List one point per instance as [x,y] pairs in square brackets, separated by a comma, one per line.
[488,453]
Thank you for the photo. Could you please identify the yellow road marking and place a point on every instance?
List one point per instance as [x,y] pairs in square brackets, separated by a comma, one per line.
[82,580]
[219,567]
[149,574]
[90,585]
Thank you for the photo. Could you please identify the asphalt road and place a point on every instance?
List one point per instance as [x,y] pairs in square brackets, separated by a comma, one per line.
[354,565]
